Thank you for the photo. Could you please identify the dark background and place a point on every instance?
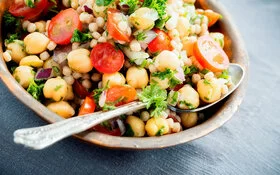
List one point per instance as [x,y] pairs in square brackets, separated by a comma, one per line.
[248,144]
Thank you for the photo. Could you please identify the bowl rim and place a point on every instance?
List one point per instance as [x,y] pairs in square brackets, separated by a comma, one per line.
[221,116]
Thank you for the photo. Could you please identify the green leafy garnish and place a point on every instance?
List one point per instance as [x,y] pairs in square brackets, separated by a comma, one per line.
[189,70]
[58,87]
[80,37]
[103,2]
[141,36]
[155,98]
[129,132]
[158,5]
[36,90]
[224,75]
[133,4]
[160,131]
[160,23]
[29,3]
[173,98]
[11,38]
[168,73]
[12,23]
[189,105]
[204,71]
[206,82]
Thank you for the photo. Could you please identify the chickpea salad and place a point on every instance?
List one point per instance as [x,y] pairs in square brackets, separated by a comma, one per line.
[82,56]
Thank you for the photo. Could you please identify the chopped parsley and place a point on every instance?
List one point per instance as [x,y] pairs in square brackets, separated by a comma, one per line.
[11,38]
[224,75]
[30,3]
[103,2]
[141,36]
[12,23]
[173,98]
[58,87]
[36,90]
[189,70]
[81,37]
[168,73]
[129,132]
[161,23]
[206,82]
[56,69]
[206,98]
[160,131]
[155,98]
[189,105]
[158,5]
[204,71]
[133,4]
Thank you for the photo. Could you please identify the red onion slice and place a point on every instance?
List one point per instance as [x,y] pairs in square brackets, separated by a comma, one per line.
[43,74]
[121,126]
[102,99]
[87,9]
[60,54]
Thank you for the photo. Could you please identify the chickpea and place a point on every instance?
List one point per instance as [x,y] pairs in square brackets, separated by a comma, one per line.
[55,88]
[36,43]
[113,79]
[163,84]
[32,60]
[17,50]
[137,77]
[137,126]
[209,90]
[167,60]
[24,75]
[157,126]
[189,119]
[183,26]
[62,108]
[79,60]
[69,94]
[144,18]
[189,98]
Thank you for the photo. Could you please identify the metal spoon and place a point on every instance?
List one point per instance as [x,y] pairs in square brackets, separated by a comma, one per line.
[44,136]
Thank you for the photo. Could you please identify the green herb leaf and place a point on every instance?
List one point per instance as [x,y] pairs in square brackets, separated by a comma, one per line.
[189,105]
[36,90]
[204,71]
[11,38]
[133,4]
[190,70]
[168,73]
[206,82]
[141,36]
[29,3]
[160,131]
[158,5]
[103,2]
[12,23]
[224,75]
[58,87]
[129,132]
[155,98]
[161,22]
[80,37]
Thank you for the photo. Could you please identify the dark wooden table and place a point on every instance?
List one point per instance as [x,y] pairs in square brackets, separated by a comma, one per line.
[248,144]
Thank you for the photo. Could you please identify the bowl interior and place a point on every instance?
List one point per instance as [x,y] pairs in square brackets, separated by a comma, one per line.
[217,115]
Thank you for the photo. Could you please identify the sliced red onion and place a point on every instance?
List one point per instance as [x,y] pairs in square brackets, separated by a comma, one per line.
[87,9]
[150,36]
[102,99]
[43,74]
[60,54]
[121,126]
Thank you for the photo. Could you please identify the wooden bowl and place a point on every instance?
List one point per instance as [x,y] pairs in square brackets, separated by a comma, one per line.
[217,115]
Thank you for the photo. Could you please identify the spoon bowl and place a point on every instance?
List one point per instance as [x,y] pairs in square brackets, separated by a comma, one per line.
[237,74]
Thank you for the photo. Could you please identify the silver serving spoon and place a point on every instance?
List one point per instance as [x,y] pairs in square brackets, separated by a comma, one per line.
[44,136]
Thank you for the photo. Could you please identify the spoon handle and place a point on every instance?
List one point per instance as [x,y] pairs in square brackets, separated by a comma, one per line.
[44,136]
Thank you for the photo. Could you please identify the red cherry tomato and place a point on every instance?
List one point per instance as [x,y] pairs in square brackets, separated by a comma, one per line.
[106,58]
[113,29]
[87,107]
[210,55]
[126,93]
[212,16]
[20,9]
[80,90]
[104,130]
[160,43]
[62,26]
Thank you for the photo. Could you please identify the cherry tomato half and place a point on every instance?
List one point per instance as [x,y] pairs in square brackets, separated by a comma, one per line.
[210,55]
[87,107]
[62,26]
[104,130]
[20,9]
[126,93]
[212,16]
[113,29]
[106,58]
[160,43]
